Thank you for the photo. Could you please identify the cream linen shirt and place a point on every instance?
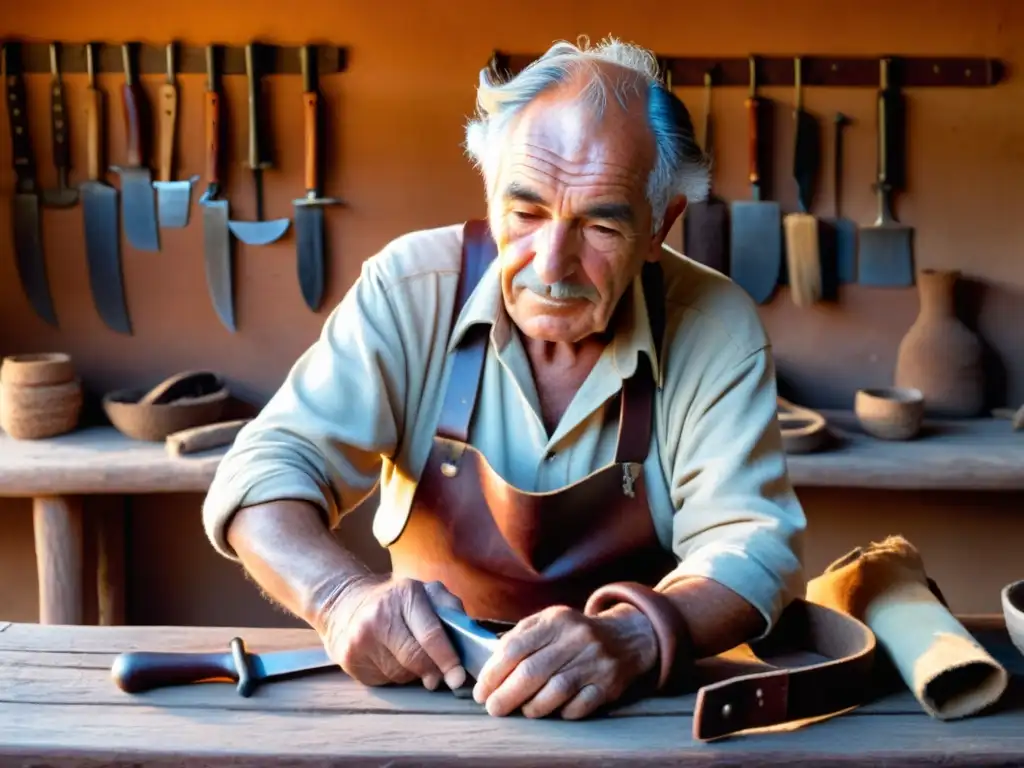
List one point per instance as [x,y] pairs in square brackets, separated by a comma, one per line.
[361,405]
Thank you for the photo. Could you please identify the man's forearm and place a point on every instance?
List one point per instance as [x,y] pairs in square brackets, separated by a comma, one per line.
[717,618]
[291,554]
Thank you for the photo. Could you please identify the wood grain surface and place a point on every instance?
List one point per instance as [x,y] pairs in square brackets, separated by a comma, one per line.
[968,454]
[59,707]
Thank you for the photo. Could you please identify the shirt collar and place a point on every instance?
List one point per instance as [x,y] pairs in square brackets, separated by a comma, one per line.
[486,305]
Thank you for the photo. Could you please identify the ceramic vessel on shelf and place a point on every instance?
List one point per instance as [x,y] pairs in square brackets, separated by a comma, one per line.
[939,355]
[890,413]
[1013,611]
[40,395]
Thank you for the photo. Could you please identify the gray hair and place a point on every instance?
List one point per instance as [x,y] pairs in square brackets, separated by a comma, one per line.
[680,167]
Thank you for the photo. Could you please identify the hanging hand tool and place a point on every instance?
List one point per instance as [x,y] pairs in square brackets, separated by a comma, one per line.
[28,237]
[138,208]
[756,225]
[886,251]
[139,671]
[309,213]
[706,224]
[803,255]
[844,229]
[64,196]
[174,198]
[257,232]
[99,211]
[216,236]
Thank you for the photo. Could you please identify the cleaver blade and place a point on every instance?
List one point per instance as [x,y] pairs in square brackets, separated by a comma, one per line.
[174,202]
[138,209]
[217,258]
[102,251]
[28,251]
[756,241]
[309,226]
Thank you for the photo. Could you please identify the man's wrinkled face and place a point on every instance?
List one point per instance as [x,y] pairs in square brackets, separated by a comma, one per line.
[569,213]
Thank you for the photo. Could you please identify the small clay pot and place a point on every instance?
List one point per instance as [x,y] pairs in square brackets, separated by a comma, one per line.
[153,422]
[1013,612]
[40,396]
[890,413]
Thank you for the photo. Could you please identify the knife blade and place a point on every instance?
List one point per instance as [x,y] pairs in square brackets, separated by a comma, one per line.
[173,198]
[309,213]
[28,237]
[140,671]
[100,215]
[217,256]
[138,206]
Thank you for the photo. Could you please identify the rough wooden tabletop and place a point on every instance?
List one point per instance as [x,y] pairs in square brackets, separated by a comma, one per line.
[59,707]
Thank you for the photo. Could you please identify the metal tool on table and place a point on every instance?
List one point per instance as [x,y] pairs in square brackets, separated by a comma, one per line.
[138,207]
[174,198]
[257,232]
[844,230]
[309,210]
[139,671]
[217,254]
[28,237]
[706,222]
[756,224]
[803,253]
[64,196]
[886,257]
[99,213]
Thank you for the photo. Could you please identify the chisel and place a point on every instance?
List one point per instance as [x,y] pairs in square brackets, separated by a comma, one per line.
[309,213]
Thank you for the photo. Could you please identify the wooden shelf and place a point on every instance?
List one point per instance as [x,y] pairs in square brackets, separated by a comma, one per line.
[975,454]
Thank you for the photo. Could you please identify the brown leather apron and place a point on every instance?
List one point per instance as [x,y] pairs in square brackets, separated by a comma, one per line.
[508,553]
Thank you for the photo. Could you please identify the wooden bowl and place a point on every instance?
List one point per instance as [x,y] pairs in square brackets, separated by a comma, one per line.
[890,413]
[155,421]
[1013,611]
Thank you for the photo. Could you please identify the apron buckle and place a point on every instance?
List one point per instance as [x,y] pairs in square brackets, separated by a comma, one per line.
[628,481]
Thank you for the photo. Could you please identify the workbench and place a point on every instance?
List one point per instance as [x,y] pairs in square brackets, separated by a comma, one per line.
[59,707]
[972,454]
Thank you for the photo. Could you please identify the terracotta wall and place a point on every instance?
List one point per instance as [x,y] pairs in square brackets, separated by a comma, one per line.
[397,117]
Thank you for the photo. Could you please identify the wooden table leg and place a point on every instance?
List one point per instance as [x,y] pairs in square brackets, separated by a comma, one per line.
[59,546]
[110,535]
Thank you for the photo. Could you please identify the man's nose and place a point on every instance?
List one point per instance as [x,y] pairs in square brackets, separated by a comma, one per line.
[556,252]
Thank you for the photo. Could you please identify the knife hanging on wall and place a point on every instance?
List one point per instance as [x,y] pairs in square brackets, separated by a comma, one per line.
[28,237]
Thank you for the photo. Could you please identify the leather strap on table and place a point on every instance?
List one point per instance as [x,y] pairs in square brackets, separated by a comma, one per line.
[788,694]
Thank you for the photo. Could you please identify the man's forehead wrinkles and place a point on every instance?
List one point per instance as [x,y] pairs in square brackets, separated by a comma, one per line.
[542,153]
[556,172]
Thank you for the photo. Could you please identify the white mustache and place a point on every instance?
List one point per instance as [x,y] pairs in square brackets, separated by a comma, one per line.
[528,278]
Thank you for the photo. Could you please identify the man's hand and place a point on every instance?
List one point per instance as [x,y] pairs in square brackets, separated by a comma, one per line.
[384,630]
[559,658]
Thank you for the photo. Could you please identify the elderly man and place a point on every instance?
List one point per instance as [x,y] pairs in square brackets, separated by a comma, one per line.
[573,428]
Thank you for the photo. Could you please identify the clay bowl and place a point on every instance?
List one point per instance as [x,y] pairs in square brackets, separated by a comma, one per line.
[1013,611]
[40,395]
[155,421]
[37,370]
[890,413]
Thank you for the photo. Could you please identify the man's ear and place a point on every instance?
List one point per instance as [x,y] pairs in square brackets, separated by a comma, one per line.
[673,211]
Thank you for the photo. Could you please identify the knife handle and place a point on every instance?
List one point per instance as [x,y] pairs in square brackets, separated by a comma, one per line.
[890,132]
[753,112]
[310,103]
[168,121]
[21,143]
[256,159]
[59,126]
[93,131]
[213,137]
[195,439]
[132,128]
[138,671]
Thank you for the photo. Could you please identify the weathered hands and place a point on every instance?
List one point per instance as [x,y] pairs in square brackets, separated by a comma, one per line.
[384,630]
[559,658]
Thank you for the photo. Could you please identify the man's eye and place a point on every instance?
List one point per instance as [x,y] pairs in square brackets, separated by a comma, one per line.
[603,230]
[524,215]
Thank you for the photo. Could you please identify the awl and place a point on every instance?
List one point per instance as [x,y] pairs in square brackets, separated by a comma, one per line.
[217,254]
[99,212]
[138,208]
[173,198]
[28,237]
[309,210]
[139,671]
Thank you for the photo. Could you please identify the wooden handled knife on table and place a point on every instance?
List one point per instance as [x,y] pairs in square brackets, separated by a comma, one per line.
[140,671]
[309,214]
[99,213]
[28,237]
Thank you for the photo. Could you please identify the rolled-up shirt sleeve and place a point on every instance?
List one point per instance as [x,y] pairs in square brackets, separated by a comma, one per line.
[322,435]
[738,520]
